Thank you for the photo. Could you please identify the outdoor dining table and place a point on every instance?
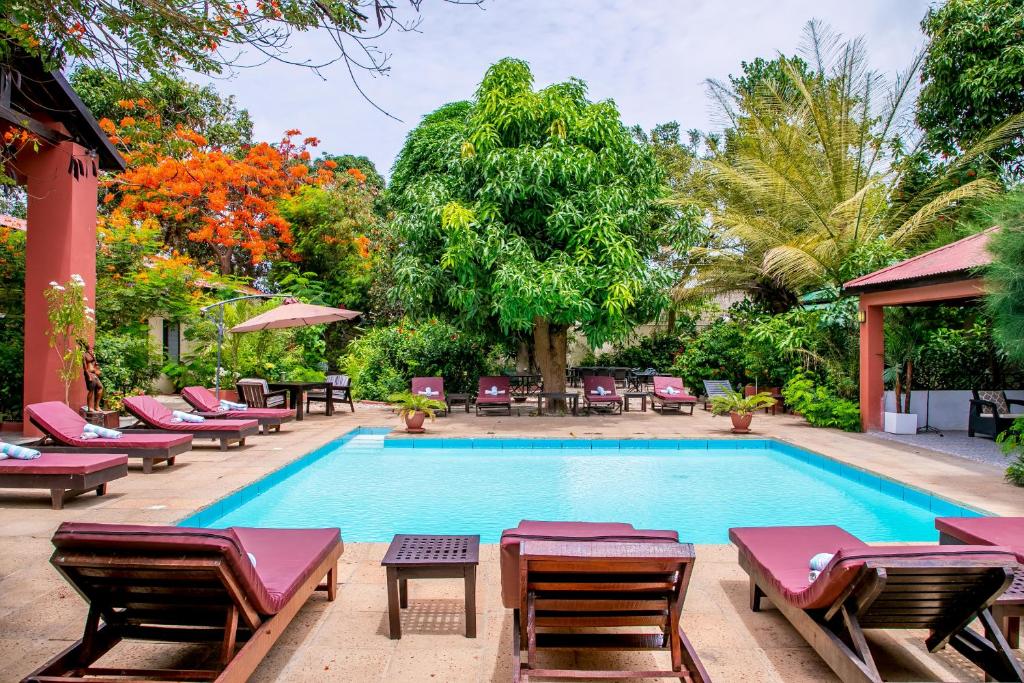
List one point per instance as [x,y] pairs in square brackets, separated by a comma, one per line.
[297,389]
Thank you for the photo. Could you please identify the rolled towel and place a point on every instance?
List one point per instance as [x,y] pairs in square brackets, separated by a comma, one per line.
[102,432]
[600,391]
[231,405]
[428,392]
[182,416]
[818,564]
[89,435]
[671,391]
[176,420]
[494,391]
[9,450]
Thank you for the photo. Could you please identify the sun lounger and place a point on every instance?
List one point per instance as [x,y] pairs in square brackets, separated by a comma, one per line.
[599,394]
[670,394]
[715,387]
[431,387]
[152,414]
[494,394]
[66,474]
[934,588]
[1003,531]
[568,582]
[206,404]
[63,427]
[238,587]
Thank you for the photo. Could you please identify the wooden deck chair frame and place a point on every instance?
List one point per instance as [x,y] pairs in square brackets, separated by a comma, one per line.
[567,587]
[190,598]
[943,596]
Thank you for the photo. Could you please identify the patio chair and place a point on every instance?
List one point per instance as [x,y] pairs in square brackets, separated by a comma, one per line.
[62,433]
[924,587]
[154,415]
[568,582]
[715,387]
[494,395]
[431,387]
[1002,531]
[670,394]
[255,393]
[990,413]
[237,587]
[66,474]
[204,403]
[599,395]
[341,392]
[621,376]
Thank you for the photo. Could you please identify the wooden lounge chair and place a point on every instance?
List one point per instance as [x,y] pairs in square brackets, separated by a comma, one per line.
[599,395]
[1002,531]
[66,474]
[341,392]
[670,394]
[990,413]
[494,395]
[568,582]
[431,387]
[63,428]
[151,414]
[237,587]
[256,393]
[715,387]
[935,588]
[204,403]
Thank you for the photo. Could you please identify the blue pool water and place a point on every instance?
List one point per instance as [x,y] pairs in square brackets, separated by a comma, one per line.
[478,486]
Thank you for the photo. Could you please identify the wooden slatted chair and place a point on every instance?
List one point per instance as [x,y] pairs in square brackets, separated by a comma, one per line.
[936,588]
[236,587]
[256,393]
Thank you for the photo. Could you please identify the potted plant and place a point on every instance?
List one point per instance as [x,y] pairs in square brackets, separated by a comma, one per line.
[901,352]
[740,408]
[414,409]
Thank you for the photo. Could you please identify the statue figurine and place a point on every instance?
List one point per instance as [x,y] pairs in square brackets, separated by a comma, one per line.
[93,385]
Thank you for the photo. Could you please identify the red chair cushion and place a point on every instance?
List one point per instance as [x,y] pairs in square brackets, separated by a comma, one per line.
[663,383]
[63,463]
[503,385]
[285,558]
[564,531]
[157,415]
[65,426]
[1005,531]
[435,384]
[201,398]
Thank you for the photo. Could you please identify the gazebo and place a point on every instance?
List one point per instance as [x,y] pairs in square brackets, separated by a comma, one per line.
[947,275]
[62,181]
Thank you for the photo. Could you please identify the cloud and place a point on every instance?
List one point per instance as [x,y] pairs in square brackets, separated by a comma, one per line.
[650,56]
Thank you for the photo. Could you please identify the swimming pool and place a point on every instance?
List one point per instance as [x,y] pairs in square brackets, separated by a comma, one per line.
[373,488]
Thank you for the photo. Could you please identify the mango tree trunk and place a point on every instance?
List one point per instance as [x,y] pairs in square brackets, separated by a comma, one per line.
[549,343]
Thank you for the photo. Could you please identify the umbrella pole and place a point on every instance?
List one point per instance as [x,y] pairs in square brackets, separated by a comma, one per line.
[220,341]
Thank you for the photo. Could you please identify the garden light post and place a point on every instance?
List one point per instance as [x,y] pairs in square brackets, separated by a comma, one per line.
[220,325]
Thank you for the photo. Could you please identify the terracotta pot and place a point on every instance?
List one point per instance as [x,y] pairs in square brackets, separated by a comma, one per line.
[741,423]
[414,422]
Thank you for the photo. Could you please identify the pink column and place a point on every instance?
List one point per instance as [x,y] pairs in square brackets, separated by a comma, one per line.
[872,365]
[61,241]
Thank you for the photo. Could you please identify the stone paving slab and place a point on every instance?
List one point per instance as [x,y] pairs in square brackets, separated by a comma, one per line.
[347,640]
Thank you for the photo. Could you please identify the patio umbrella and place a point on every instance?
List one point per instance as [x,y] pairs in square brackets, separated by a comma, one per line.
[294,314]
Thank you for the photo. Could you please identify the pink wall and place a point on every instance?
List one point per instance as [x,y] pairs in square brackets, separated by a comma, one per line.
[61,240]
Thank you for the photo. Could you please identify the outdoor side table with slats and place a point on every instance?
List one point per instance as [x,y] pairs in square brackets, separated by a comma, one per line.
[430,557]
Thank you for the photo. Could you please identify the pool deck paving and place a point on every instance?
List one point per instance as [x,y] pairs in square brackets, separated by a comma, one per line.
[347,640]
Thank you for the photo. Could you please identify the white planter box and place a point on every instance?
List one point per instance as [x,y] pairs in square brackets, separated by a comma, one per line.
[901,423]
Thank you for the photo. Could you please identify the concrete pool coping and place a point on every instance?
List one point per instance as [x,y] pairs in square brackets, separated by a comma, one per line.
[347,640]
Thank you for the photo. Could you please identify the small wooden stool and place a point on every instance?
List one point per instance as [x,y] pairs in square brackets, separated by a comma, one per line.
[430,557]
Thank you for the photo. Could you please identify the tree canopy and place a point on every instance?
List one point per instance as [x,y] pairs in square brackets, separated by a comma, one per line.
[972,75]
[529,211]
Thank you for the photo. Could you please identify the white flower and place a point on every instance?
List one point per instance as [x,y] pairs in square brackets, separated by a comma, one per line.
[77,279]
[53,283]
[85,298]
[89,311]
[58,287]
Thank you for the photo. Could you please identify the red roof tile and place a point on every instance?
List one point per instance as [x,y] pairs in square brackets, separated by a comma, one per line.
[960,256]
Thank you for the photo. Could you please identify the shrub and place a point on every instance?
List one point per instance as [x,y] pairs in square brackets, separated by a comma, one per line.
[657,351]
[129,363]
[715,353]
[819,406]
[1012,442]
[385,359]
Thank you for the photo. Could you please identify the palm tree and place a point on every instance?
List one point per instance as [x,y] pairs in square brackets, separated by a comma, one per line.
[810,186]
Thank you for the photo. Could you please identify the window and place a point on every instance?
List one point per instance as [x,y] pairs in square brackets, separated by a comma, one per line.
[172,341]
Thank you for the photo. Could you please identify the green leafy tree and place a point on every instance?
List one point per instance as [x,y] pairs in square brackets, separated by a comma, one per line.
[972,75]
[1005,276]
[529,211]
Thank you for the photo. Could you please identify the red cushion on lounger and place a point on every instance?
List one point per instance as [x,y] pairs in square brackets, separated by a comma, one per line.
[680,395]
[1005,531]
[63,463]
[201,398]
[65,426]
[591,385]
[287,557]
[564,531]
[435,384]
[254,413]
[301,549]
[156,414]
[783,555]
[501,383]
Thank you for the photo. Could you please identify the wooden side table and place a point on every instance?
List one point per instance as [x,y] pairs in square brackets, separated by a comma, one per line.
[457,399]
[570,397]
[430,557]
[642,395]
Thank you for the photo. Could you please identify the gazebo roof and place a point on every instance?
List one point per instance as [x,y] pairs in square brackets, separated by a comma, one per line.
[955,261]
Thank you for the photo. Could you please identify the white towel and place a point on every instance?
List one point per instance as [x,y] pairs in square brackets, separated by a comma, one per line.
[182,416]
[671,391]
[600,391]
[102,432]
[428,392]
[9,450]
[818,564]
[231,405]
[89,435]
[494,391]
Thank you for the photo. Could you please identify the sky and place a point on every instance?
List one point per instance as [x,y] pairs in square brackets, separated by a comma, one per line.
[652,57]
